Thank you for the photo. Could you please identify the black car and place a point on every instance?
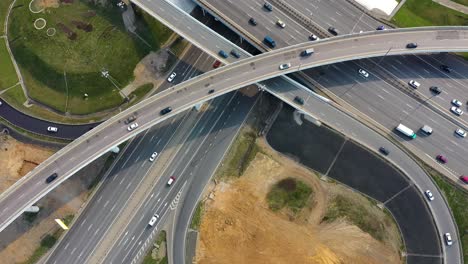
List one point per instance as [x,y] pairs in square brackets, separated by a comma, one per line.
[268,6]
[166,110]
[211,91]
[299,100]
[435,89]
[411,45]
[252,21]
[384,151]
[130,119]
[333,31]
[51,178]
[235,53]
[445,68]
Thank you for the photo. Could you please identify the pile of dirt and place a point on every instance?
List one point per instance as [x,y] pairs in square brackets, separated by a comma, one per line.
[238,226]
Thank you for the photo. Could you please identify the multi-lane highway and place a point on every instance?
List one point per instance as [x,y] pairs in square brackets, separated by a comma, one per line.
[372,96]
[102,222]
[181,97]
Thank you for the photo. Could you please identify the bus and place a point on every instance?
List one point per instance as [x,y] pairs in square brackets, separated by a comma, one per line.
[406,131]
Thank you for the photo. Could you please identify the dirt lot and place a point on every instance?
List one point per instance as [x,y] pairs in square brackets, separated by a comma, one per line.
[19,240]
[238,227]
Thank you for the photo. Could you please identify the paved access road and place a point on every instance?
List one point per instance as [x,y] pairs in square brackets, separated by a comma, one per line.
[228,78]
[349,126]
[335,156]
[39,126]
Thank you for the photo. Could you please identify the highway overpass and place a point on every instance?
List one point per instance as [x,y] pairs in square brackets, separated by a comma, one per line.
[93,144]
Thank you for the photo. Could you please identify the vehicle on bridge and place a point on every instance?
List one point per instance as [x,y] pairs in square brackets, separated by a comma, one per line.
[406,131]
[51,178]
[269,41]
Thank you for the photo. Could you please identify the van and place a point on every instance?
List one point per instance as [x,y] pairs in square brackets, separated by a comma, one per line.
[426,129]
[307,52]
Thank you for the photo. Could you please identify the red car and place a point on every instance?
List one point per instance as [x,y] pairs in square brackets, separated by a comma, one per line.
[464,179]
[441,159]
[216,64]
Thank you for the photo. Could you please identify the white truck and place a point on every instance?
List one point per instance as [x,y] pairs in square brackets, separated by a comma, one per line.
[406,131]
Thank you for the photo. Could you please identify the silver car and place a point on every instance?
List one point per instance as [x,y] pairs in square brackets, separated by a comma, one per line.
[284,66]
[456,110]
[460,132]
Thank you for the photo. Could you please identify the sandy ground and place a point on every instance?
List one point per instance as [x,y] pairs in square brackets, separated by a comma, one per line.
[238,227]
[21,238]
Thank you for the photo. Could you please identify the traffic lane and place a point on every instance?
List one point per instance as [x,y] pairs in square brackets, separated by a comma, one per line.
[392,108]
[262,67]
[119,195]
[115,189]
[241,11]
[178,168]
[415,222]
[343,16]
[212,154]
[145,157]
[364,171]
[428,76]
[182,20]
[354,129]
[39,126]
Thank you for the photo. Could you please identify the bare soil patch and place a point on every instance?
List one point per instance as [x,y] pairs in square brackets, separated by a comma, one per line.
[238,227]
[21,238]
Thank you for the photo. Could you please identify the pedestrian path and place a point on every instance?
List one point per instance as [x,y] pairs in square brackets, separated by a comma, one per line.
[453,5]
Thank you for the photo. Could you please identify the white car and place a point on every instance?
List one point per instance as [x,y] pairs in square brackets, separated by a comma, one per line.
[171,180]
[284,66]
[429,195]
[414,84]
[363,73]
[52,129]
[280,23]
[456,110]
[153,156]
[456,103]
[313,37]
[0,102]
[153,219]
[132,126]
[171,77]
[460,132]
[448,239]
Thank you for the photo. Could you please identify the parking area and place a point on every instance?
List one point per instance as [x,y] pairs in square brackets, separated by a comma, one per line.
[324,150]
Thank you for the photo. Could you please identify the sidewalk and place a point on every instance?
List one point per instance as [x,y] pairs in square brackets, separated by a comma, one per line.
[453,5]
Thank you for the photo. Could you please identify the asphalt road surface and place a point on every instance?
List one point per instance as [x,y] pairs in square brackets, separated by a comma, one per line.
[183,96]
[372,96]
[39,126]
[358,132]
[337,157]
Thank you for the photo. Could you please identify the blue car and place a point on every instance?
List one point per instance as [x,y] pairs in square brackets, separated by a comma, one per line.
[223,54]
[381,28]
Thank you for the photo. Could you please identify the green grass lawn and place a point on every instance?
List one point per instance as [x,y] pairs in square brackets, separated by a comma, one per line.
[417,13]
[290,193]
[44,61]
[8,75]
[4,4]
[457,200]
